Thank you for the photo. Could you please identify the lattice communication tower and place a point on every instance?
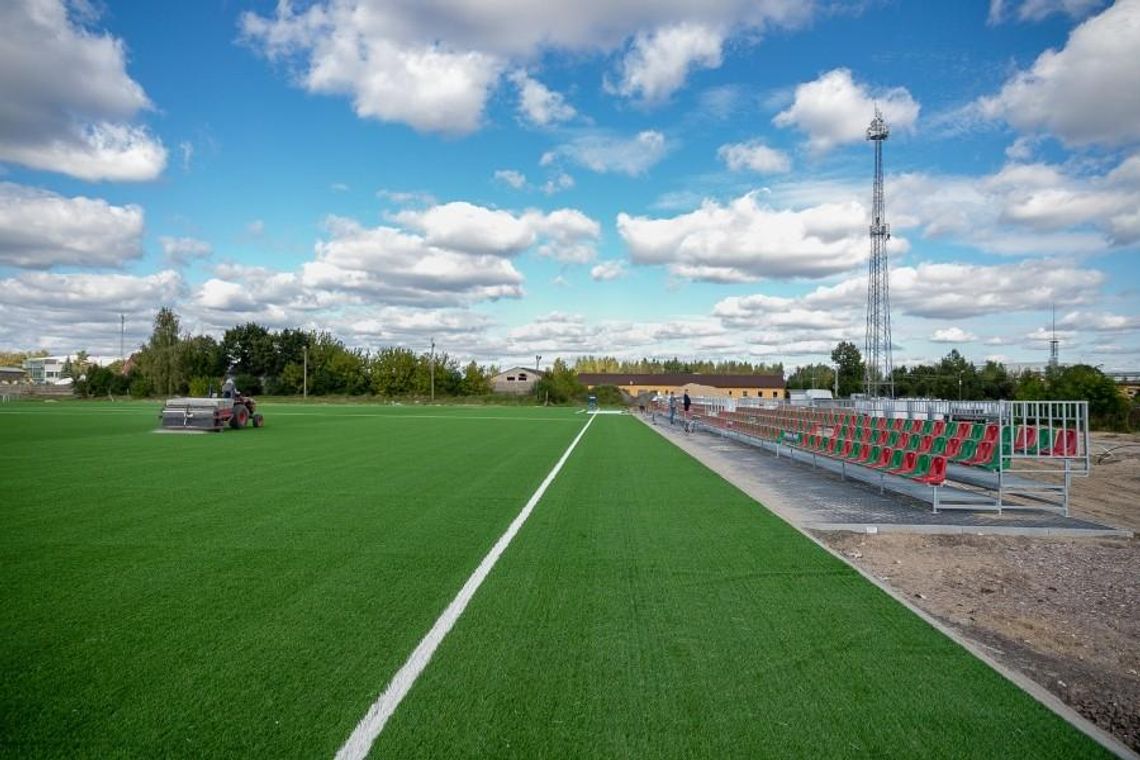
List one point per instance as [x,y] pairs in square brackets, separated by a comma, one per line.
[877,373]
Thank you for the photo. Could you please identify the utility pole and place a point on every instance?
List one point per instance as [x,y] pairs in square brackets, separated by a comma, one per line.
[432,370]
[305,373]
[122,336]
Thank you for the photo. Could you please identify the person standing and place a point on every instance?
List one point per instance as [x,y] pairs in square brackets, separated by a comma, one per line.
[687,403]
[672,407]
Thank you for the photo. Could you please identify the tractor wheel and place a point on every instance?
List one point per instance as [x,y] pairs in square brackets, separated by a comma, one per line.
[258,421]
[240,416]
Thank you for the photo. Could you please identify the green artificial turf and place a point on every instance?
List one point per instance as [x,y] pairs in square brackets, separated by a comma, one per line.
[237,594]
[649,609]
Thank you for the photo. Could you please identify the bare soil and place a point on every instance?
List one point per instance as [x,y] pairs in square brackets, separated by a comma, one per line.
[1066,612]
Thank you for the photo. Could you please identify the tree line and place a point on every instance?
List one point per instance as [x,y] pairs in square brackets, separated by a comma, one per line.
[646,366]
[284,362]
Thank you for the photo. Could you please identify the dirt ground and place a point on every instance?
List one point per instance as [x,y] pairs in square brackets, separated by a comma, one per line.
[1065,612]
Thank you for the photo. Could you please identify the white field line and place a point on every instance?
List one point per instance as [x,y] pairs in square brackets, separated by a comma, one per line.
[370,726]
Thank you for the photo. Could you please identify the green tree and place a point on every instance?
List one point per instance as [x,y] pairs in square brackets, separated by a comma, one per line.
[250,350]
[201,362]
[159,360]
[850,362]
[1080,382]
[957,378]
[811,376]
[995,381]
[394,372]
[560,384]
[475,381]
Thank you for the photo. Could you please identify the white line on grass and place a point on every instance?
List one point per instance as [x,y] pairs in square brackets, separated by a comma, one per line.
[370,726]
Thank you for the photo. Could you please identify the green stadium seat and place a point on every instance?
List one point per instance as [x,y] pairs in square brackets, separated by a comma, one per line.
[909,461]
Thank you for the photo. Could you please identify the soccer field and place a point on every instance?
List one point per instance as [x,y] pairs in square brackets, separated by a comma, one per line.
[252,593]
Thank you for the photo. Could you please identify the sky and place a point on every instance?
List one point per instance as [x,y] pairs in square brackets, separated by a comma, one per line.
[515,178]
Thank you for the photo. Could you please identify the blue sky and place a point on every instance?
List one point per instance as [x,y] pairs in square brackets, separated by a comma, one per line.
[516,177]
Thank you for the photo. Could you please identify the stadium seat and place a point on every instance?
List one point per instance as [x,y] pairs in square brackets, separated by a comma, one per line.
[938,445]
[937,474]
[909,461]
[1026,437]
[990,432]
[1044,441]
[869,454]
[1065,443]
[938,428]
[884,460]
[925,443]
[988,456]
[921,467]
[894,461]
[966,450]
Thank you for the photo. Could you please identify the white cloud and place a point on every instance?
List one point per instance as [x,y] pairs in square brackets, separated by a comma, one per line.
[392,266]
[607,270]
[959,291]
[434,65]
[567,235]
[605,153]
[745,241]
[401,326]
[471,229]
[186,150]
[1084,93]
[446,255]
[350,51]
[833,110]
[1100,321]
[1037,10]
[1023,209]
[66,100]
[40,230]
[755,156]
[538,104]
[256,227]
[81,311]
[952,335]
[756,310]
[659,62]
[515,179]
[559,182]
[182,250]
[1022,148]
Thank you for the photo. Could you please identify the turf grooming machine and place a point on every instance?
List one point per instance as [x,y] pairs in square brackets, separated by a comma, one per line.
[210,413]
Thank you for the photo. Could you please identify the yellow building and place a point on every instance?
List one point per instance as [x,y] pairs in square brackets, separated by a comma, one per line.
[737,386]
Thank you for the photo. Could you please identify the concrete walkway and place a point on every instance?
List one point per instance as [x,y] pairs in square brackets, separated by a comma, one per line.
[819,499]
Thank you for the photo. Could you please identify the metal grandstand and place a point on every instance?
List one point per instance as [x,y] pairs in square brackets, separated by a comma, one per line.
[974,455]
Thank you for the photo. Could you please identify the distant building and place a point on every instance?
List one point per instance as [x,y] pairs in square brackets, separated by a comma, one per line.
[736,386]
[46,370]
[11,375]
[516,380]
[50,370]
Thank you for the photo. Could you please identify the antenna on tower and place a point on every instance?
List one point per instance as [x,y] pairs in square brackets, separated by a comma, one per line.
[878,380]
[1054,344]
